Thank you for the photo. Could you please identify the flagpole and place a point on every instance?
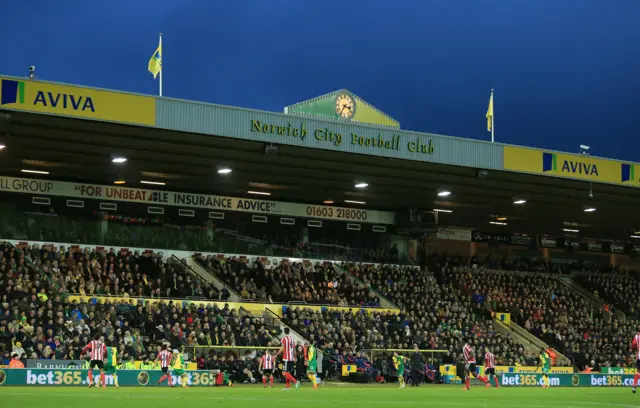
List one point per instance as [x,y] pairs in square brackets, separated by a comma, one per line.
[493,128]
[161,67]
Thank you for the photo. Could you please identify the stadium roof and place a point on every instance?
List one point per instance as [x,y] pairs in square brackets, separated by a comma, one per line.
[81,151]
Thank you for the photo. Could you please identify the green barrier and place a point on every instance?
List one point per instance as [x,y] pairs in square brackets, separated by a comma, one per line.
[567,380]
[619,370]
[73,377]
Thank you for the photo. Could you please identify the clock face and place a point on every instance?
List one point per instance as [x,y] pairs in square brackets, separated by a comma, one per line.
[345,106]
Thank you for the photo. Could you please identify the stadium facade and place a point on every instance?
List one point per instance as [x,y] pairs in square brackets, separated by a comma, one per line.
[335,124]
[49,128]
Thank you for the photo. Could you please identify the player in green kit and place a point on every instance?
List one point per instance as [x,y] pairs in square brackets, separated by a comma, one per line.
[545,361]
[110,364]
[398,363]
[178,368]
[311,363]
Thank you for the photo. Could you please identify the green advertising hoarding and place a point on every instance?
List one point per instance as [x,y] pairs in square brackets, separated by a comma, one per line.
[567,380]
[141,378]
[72,377]
[619,370]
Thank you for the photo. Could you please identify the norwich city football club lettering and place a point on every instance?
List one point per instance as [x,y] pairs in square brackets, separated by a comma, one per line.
[422,145]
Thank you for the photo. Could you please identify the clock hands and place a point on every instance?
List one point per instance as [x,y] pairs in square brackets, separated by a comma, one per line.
[342,104]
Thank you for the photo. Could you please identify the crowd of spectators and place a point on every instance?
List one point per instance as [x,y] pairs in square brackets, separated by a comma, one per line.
[116,273]
[619,288]
[432,316]
[38,320]
[442,305]
[538,301]
[312,283]
[553,312]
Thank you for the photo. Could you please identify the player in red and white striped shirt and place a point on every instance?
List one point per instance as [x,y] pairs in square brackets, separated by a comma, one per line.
[266,367]
[164,357]
[289,358]
[635,345]
[470,366]
[490,368]
[97,350]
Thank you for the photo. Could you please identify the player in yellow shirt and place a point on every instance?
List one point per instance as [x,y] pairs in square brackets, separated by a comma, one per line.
[311,363]
[398,363]
[178,368]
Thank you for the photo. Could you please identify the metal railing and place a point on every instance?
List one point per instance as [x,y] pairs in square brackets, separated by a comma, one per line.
[533,340]
[186,266]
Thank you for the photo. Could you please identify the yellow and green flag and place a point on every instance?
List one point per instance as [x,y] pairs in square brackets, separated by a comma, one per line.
[489,114]
[155,63]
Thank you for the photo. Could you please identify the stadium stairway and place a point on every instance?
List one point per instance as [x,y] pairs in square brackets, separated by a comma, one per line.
[593,300]
[522,336]
[504,328]
[203,273]
[384,302]
[530,342]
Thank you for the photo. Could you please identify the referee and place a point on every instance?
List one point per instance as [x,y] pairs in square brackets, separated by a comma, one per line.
[416,366]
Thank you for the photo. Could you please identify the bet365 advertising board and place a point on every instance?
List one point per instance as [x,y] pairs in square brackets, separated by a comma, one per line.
[142,378]
[72,377]
[567,380]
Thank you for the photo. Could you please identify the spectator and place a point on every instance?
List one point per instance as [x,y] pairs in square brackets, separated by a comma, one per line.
[417,366]
[58,328]
[15,362]
[297,282]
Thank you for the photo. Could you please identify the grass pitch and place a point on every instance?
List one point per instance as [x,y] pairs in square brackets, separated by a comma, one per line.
[332,395]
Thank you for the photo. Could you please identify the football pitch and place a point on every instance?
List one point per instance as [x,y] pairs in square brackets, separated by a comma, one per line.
[343,396]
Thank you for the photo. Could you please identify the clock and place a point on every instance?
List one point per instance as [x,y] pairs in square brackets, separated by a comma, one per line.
[345,106]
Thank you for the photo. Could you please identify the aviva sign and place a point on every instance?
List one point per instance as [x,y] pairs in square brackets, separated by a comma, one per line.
[12,92]
[88,103]
[572,166]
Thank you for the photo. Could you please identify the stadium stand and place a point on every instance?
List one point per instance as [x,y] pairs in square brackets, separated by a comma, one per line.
[309,282]
[39,320]
[554,313]
[446,303]
[433,317]
[619,288]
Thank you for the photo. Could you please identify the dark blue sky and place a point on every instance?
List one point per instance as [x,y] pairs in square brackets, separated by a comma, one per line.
[565,71]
